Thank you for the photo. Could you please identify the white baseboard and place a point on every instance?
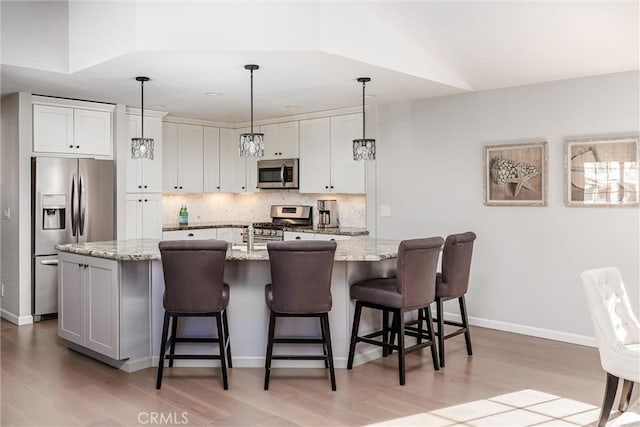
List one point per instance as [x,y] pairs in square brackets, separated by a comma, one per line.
[527,330]
[18,320]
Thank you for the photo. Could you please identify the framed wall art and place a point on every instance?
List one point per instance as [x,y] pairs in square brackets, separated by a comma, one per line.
[601,172]
[515,174]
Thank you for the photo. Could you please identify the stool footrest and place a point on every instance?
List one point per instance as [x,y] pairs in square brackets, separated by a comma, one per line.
[192,356]
[291,340]
[193,340]
[293,357]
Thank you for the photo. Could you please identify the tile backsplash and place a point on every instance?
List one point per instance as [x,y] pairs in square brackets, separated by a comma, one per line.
[254,207]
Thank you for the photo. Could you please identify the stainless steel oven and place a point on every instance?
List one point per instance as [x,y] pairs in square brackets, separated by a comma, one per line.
[276,174]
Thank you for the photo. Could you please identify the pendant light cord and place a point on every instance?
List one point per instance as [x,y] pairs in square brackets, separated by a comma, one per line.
[142,109]
[251,102]
[363,133]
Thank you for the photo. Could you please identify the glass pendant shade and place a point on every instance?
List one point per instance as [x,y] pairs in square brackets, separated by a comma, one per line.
[364,148]
[251,144]
[142,148]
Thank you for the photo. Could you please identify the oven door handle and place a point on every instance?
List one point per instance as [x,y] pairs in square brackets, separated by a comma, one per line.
[282,173]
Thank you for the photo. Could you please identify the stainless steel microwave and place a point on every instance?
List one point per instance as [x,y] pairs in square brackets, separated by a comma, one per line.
[281,173]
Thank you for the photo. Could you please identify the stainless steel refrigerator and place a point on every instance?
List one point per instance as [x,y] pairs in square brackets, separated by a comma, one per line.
[72,201]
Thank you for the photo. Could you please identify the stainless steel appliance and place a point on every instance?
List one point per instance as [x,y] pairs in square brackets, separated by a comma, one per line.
[72,200]
[328,214]
[282,216]
[278,174]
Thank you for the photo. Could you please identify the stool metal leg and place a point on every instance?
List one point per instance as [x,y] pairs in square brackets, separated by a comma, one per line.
[440,333]
[223,362]
[385,332]
[420,320]
[465,324]
[354,334]
[267,361]
[163,349]
[324,343]
[434,353]
[401,352]
[324,319]
[227,338]
[174,335]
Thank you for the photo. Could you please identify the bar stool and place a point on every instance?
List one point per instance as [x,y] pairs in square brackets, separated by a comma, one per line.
[453,283]
[193,287]
[413,288]
[300,287]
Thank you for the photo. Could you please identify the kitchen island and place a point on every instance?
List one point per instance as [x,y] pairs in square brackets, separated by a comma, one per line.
[110,303]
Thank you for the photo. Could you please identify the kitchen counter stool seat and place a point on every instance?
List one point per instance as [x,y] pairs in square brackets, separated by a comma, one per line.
[300,287]
[413,288]
[193,276]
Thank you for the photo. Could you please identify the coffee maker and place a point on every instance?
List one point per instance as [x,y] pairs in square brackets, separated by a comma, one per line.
[328,214]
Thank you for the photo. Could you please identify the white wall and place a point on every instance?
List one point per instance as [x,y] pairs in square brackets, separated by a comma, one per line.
[527,260]
[16,195]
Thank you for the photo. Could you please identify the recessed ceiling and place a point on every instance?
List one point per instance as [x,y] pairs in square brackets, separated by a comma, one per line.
[310,53]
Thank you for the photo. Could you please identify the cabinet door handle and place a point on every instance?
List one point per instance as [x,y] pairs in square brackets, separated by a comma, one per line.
[332,240]
[298,238]
[190,235]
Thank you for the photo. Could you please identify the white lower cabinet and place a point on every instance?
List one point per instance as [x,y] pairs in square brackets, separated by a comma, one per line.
[89,303]
[232,235]
[291,235]
[144,215]
[199,234]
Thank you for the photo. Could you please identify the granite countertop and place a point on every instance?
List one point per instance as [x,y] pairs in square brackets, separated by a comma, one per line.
[345,231]
[200,225]
[367,249]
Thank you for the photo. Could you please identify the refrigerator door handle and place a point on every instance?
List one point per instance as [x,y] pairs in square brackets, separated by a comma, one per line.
[49,262]
[83,202]
[74,209]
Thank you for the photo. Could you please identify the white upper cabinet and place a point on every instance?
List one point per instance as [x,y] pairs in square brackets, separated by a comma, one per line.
[182,166]
[237,174]
[69,130]
[326,155]
[211,156]
[144,175]
[281,140]
[53,129]
[92,132]
[347,175]
[315,155]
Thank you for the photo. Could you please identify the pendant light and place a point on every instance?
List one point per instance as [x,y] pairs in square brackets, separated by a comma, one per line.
[365,148]
[252,144]
[142,148]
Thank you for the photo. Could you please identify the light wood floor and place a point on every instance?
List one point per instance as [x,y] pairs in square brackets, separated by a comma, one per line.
[45,384]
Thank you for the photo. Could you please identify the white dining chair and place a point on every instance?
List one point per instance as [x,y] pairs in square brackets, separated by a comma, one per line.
[617,333]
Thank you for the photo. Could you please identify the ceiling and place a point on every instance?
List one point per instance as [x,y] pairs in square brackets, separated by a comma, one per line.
[310,53]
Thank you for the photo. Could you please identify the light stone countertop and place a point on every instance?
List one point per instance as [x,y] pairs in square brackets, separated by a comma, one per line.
[345,231]
[367,249]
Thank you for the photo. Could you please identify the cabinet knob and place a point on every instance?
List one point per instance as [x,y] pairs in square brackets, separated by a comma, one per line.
[71,146]
[332,186]
[243,187]
[146,200]
[140,200]
[175,187]
[181,187]
[77,146]
[326,186]
[139,186]
[298,238]
[218,187]
[145,186]
[332,240]
[190,235]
